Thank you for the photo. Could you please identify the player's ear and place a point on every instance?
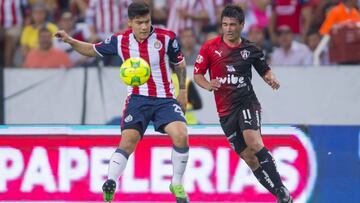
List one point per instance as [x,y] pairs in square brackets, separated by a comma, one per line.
[129,23]
[242,24]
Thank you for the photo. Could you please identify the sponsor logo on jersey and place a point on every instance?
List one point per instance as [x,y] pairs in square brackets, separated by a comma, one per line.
[199,59]
[245,54]
[230,68]
[157,45]
[231,79]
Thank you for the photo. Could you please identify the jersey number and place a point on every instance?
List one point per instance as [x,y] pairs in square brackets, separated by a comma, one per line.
[177,109]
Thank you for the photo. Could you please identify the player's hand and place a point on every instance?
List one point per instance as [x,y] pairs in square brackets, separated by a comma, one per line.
[61,34]
[182,99]
[271,80]
[214,84]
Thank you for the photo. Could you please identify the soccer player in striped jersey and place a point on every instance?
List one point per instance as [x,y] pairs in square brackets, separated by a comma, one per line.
[229,59]
[153,101]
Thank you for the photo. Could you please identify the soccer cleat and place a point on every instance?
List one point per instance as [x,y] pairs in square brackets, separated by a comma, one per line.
[180,194]
[283,195]
[109,190]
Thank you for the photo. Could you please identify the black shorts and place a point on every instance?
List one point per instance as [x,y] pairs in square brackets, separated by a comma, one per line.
[242,118]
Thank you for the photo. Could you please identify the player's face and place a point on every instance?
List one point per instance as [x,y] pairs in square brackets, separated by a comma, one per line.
[141,27]
[231,28]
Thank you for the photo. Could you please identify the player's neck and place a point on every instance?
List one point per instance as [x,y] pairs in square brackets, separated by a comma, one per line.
[232,43]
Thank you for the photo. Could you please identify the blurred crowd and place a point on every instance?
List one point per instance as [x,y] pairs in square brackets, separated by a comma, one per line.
[287,30]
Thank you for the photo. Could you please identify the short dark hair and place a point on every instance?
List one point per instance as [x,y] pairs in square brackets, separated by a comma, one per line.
[138,8]
[233,11]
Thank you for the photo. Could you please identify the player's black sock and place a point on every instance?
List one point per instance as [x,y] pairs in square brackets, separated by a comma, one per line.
[267,163]
[263,177]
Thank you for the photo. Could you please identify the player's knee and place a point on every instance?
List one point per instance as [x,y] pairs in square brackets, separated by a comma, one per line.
[129,141]
[180,138]
[255,147]
[250,159]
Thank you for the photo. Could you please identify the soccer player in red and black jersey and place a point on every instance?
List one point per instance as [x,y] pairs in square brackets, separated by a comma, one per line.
[229,59]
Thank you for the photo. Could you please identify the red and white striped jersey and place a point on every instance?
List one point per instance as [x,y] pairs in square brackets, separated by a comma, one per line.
[175,23]
[107,16]
[11,13]
[160,48]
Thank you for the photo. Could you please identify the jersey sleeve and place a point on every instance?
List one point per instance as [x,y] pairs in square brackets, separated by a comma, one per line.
[174,51]
[259,63]
[202,61]
[107,47]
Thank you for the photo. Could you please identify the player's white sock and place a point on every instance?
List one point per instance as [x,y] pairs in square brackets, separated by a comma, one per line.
[117,164]
[179,158]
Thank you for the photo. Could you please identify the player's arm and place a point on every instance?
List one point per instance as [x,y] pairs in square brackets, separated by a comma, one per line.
[264,70]
[177,60]
[180,70]
[211,85]
[270,78]
[83,48]
[200,68]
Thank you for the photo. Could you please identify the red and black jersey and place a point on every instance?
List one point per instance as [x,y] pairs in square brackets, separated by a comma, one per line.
[232,66]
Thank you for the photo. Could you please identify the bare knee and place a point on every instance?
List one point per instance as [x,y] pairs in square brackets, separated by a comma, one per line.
[253,140]
[250,159]
[129,140]
[180,138]
[178,133]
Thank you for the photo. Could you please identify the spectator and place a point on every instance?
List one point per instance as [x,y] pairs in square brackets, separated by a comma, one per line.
[294,13]
[257,12]
[11,22]
[187,13]
[257,34]
[51,7]
[290,52]
[106,17]
[211,35]
[46,56]
[76,7]
[342,13]
[312,40]
[79,31]
[320,9]
[30,33]
[189,45]
[159,12]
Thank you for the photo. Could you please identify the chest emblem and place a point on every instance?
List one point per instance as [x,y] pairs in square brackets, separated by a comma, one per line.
[157,45]
[245,54]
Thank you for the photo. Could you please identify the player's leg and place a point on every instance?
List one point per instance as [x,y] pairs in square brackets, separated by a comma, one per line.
[118,161]
[133,125]
[170,119]
[234,135]
[178,132]
[179,156]
[265,170]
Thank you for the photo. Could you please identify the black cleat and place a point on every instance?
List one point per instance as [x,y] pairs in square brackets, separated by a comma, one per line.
[283,195]
[109,188]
